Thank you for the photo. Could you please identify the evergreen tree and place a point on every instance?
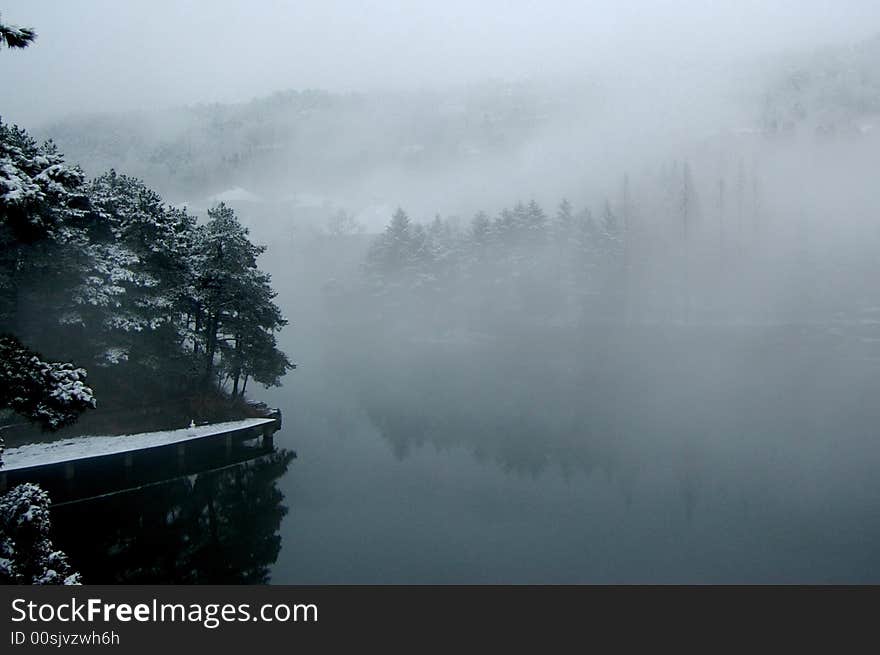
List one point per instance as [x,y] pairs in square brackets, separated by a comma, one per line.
[27,555]
[224,257]
[393,250]
[481,228]
[40,205]
[43,235]
[585,254]
[262,360]
[248,347]
[232,302]
[610,225]
[535,222]
[562,224]
[520,223]
[137,284]
[52,394]
[16,37]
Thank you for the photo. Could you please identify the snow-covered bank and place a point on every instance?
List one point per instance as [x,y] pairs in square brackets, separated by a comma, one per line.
[56,452]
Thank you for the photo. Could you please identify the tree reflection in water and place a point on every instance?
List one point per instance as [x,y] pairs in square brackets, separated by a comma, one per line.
[218,527]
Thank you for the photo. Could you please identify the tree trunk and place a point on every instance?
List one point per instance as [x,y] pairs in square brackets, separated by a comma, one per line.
[237,371]
[211,346]
[197,327]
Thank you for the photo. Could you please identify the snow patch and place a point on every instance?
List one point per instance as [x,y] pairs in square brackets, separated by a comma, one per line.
[56,452]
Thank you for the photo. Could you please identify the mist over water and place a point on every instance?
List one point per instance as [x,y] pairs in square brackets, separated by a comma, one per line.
[651,453]
[578,292]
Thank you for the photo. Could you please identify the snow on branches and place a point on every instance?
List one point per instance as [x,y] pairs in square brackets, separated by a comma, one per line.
[53,394]
[27,555]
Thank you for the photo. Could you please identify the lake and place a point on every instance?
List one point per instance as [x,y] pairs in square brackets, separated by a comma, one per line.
[660,455]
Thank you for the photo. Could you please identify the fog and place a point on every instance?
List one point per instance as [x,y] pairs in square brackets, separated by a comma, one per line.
[108,56]
[578,291]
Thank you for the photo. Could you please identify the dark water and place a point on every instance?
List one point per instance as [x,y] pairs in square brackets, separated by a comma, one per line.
[716,458]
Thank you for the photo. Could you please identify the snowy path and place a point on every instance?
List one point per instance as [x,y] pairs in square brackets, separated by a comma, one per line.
[66,450]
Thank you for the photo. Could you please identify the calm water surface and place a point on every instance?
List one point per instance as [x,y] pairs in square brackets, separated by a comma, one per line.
[450,465]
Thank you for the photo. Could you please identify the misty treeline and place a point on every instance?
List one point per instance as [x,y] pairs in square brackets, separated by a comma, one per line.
[521,262]
[319,138]
[671,247]
[831,91]
[103,273]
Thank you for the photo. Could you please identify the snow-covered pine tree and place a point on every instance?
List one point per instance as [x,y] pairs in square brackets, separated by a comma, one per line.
[27,555]
[247,343]
[561,224]
[12,36]
[392,251]
[39,202]
[535,222]
[481,228]
[232,301]
[52,394]
[134,295]
[43,234]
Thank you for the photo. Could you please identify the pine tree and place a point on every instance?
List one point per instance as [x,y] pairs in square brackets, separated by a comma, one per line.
[135,289]
[610,224]
[248,346]
[393,250]
[16,37]
[27,555]
[520,220]
[586,244]
[233,304]
[563,222]
[223,257]
[52,394]
[262,360]
[481,228]
[535,222]
[43,233]
[39,205]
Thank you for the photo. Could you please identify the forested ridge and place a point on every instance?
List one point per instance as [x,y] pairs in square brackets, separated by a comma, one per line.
[101,272]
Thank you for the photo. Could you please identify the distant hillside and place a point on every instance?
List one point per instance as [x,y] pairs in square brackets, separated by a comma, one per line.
[302,140]
[296,157]
[832,91]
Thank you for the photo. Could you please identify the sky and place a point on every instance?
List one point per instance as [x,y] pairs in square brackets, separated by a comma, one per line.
[104,55]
